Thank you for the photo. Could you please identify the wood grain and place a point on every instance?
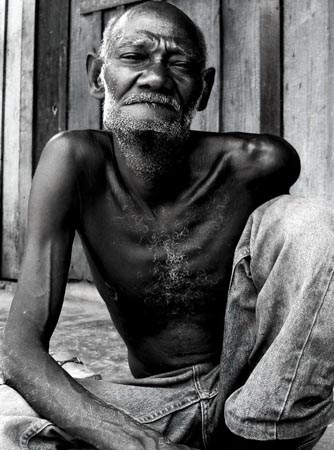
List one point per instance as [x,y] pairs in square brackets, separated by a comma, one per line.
[86,32]
[10,201]
[270,67]
[51,90]
[18,116]
[3,19]
[309,92]
[26,118]
[89,6]
[251,66]
[83,110]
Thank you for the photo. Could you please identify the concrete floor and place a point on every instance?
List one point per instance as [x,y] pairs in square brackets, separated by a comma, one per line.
[84,329]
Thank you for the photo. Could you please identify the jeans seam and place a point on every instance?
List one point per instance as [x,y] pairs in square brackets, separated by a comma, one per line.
[243,254]
[174,407]
[303,348]
[204,410]
[200,395]
[32,431]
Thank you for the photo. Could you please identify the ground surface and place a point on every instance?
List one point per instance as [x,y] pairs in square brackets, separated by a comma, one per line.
[84,329]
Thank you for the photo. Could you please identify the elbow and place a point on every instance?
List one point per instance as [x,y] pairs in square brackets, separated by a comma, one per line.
[290,162]
[16,355]
[12,358]
[285,160]
[9,362]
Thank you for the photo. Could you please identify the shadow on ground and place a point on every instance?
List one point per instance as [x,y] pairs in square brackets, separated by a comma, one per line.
[84,329]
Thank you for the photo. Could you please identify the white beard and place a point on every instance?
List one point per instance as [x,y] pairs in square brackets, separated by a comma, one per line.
[150,146]
[116,120]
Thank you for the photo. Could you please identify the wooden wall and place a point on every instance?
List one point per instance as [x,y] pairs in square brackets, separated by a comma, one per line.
[17,35]
[275,74]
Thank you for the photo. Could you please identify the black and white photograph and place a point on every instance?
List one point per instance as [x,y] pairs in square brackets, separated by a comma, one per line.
[166,224]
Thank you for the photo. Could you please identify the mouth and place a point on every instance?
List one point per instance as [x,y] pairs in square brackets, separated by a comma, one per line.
[154,101]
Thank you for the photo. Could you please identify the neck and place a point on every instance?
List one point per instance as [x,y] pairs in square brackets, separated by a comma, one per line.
[149,161]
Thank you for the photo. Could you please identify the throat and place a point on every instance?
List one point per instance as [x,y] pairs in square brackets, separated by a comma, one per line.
[150,155]
[151,164]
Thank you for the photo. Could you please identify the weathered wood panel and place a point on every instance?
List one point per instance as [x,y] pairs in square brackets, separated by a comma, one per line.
[88,6]
[83,109]
[251,66]
[11,141]
[26,117]
[270,67]
[3,18]
[309,92]
[17,136]
[85,37]
[207,16]
[51,71]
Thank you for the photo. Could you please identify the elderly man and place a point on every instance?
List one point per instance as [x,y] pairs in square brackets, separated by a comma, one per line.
[218,281]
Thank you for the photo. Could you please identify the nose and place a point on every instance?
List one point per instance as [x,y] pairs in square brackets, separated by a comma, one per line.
[156,77]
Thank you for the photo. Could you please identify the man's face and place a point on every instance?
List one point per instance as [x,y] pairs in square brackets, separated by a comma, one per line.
[152,75]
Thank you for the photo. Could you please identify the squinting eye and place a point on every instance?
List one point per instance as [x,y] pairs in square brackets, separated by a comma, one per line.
[185,66]
[133,56]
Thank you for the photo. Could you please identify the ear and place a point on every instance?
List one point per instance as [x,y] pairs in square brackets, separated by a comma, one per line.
[93,67]
[208,80]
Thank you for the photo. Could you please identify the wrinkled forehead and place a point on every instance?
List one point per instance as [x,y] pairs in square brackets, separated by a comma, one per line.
[170,26]
[176,30]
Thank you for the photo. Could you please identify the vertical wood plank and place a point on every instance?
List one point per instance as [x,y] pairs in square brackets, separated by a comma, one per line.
[51,71]
[251,66]
[26,119]
[241,66]
[207,16]
[84,110]
[309,92]
[11,140]
[88,6]
[3,19]
[17,131]
[86,32]
[270,67]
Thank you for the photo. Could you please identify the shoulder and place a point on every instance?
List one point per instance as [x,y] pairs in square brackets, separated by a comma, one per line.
[79,155]
[68,167]
[255,157]
[78,146]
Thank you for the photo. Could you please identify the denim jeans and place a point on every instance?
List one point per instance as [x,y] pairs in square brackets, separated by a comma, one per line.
[275,379]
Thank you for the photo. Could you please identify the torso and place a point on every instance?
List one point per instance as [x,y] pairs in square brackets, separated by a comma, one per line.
[164,271]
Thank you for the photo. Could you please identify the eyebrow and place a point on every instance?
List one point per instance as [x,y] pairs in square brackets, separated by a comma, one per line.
[144,36]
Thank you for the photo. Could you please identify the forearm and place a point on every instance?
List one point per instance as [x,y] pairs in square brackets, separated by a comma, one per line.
[59,398]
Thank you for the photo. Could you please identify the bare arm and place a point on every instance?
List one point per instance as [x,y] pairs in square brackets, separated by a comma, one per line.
[35,310]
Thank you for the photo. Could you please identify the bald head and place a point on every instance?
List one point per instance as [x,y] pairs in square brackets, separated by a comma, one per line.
[163,11]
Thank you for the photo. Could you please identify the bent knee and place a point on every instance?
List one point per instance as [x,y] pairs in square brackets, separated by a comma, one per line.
[288,216]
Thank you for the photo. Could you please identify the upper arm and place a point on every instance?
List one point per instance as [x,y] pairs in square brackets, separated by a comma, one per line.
[51,224]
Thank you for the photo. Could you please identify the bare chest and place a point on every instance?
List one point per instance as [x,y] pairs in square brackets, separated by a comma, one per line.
[178,259]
